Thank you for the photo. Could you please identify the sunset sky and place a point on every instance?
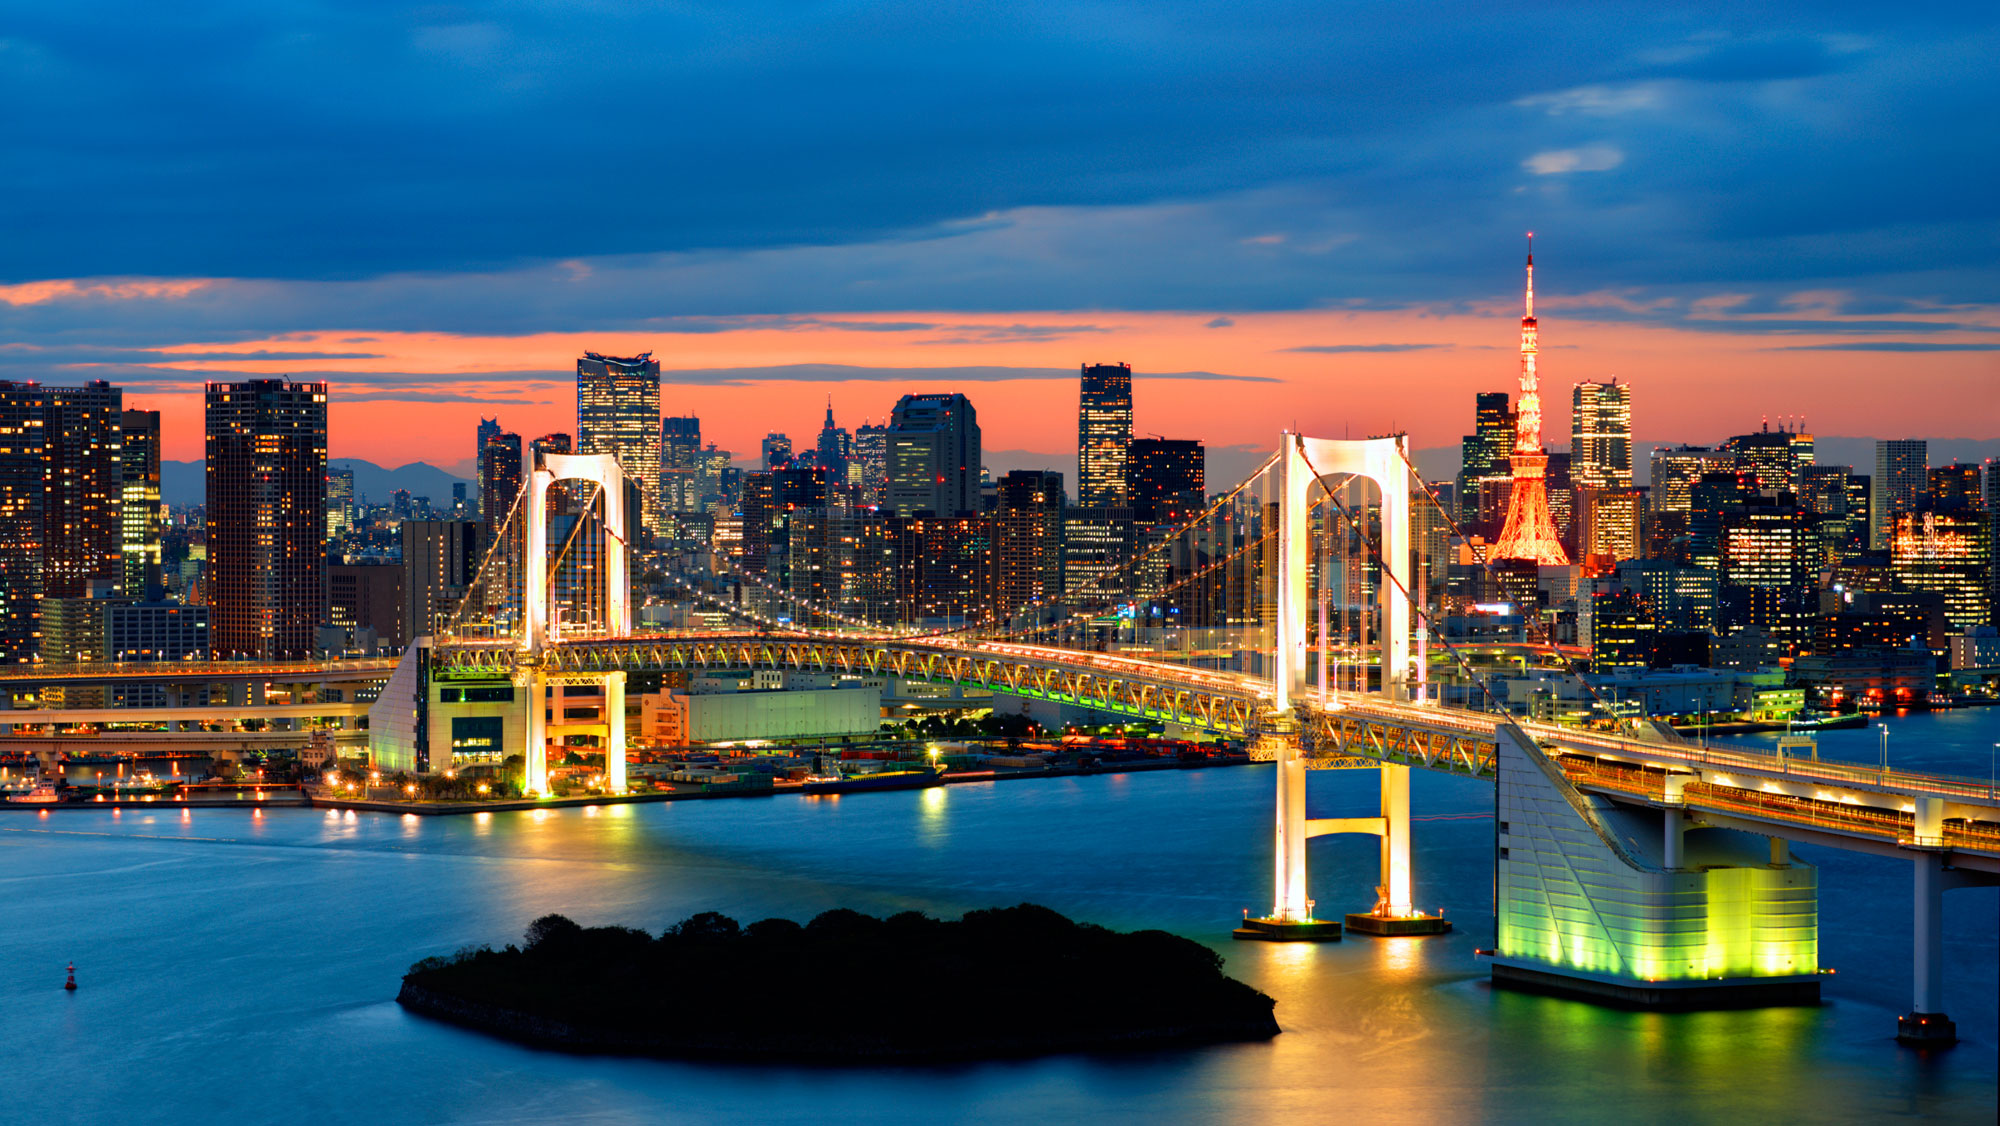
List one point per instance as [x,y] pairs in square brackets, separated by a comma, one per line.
[1280,215]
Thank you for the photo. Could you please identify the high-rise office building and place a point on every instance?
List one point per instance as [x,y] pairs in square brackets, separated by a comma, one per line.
[618,413]
[1483,453]
[776,450]
[834,447]
[1027,540]
[489,429]
[266,513]
[1617,524]
[868,465]
[61,502]
[1948,552]
[339,504]
[1168,480]
[1824,491]
[1954,488]
[440,561]
[933,455]
[142,522]
[681,484]
[499,479]
[1776,459]
[1902,477]
[1104,436]
[1675,472]
[1769,565]
[1600,429]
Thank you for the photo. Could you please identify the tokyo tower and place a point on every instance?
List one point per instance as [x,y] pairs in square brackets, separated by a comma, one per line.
[1530,532]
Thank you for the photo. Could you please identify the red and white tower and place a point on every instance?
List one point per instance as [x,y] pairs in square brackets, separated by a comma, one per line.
[1530,532]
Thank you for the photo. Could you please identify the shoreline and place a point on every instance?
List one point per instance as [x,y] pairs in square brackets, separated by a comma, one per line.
[308,800]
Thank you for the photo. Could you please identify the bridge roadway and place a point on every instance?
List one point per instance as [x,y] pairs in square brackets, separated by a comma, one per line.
[1838,804]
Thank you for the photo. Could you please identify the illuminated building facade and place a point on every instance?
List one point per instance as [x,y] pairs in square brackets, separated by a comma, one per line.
[776,450]
[499,479]
[1949,553]
[1600,435]
[1676,471]
[1483,453]
[339,505]
[944,569]
[1104,436]
[1168,480]
[1774,459]
[933,455]
[440,560]
[681,478]
[868,465]
[1902,477]
[266,512]
[1529,534]
[1769,567]
[1953,488]
[1617,523]
[141,520]
[1027,540]
[618,413]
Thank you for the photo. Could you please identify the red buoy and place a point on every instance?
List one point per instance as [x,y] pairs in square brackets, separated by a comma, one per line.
[71,983]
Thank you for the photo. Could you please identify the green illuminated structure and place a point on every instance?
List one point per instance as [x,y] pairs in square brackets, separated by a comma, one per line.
[1621,902]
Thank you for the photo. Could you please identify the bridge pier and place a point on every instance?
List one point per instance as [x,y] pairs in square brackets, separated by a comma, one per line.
[535,767]
[1926,1022]
[614,739]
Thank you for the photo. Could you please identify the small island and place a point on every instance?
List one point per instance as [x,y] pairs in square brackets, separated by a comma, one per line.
[845,988]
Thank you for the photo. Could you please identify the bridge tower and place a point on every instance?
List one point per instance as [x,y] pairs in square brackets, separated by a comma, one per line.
[1302,463]
[541,626]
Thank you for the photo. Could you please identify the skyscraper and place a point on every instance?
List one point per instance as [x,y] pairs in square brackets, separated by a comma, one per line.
[1600,428]
[868,465]
[1901,479]
[499,479]
[140,520]
[61,490]
[1676,471]
[776,451]
[933,453]
[1530,533]
[1777,459]
[1167,480]
[618,413]
[1483,453]
[1104,436]
[339,504]
[1027,540]
[680,464]
[440,561]
[833,448]
[1954,488]
[1948,552]
[266,469]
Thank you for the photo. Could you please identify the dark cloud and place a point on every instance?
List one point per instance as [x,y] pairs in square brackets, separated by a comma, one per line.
[478,170]
[1219,322]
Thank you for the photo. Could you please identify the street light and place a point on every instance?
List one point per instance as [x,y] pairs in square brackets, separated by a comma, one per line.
[1884,729]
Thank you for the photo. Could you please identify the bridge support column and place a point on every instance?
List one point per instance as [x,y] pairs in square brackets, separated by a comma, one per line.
[535,766]
[614,740]
[1291,918]
[1673,844]
[1926,1022]
[1393,914]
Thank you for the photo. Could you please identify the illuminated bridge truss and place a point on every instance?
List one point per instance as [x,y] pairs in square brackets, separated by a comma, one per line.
[1333,739]
[1234,709]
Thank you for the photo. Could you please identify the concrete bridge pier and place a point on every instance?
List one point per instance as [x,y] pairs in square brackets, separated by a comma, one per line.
[614,739]
[1926,1023]
[535,765]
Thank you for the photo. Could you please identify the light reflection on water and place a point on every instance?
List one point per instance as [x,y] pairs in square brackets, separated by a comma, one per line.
[275,946]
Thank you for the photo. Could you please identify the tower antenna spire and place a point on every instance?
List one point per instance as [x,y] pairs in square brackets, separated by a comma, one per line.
[1529,532]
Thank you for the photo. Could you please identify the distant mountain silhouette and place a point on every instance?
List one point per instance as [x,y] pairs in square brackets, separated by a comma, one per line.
[181,482]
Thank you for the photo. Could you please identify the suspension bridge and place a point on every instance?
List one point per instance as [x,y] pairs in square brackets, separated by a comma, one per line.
[1630,864]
